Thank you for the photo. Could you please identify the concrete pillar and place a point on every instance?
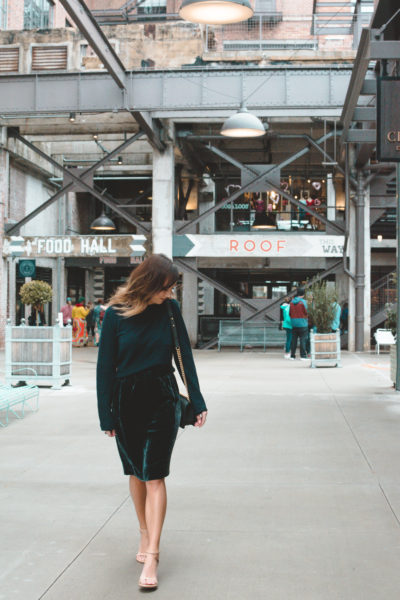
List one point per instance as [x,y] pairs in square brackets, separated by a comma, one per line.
[206,201]
[190,302]
[163,200]
[12,288]
[4,185]
[367,271]
[330,198]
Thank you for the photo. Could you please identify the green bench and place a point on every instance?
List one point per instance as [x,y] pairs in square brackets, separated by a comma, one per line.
[11,397]
[250,333]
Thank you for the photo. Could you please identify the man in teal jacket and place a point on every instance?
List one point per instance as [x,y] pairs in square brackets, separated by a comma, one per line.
[299,316]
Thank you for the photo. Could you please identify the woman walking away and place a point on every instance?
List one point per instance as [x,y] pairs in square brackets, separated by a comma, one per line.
[286,325]
[79,331]
[138,395]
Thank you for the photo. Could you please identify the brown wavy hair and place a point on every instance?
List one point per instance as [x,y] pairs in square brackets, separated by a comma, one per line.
[153,275]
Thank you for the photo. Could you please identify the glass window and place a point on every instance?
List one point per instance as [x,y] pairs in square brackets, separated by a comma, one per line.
[3,14]
[38,14]
[152,7]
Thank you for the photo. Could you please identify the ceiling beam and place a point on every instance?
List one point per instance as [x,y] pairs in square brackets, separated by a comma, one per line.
[360,69]
[83,19]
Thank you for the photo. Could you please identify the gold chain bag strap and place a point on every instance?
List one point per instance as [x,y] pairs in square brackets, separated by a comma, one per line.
[187,413]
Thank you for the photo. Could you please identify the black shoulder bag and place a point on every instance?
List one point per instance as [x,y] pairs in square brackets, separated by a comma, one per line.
[187,413]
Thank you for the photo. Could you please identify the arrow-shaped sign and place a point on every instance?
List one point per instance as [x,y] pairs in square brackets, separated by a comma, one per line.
[17,245]
[137,245]
[182,245]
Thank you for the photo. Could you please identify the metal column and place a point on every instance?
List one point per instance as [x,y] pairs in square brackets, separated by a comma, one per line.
[398,277]
[360,263]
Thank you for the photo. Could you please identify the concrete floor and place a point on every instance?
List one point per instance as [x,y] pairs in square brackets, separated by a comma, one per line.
[290,492]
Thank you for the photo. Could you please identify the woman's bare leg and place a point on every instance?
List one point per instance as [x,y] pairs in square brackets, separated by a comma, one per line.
[156,506]
[138,492]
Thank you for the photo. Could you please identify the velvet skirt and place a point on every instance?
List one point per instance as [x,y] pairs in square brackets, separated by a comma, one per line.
[147,415]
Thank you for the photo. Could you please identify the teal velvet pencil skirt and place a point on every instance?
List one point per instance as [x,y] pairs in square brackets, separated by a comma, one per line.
[147,414]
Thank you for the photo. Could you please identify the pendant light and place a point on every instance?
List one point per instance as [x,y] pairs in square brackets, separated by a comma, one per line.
[216,12]
[243,124]
[103,223]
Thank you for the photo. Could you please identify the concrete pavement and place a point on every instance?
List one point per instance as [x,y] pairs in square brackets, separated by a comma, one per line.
[290,492]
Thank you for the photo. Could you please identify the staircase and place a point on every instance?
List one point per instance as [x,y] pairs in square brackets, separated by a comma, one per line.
[333,18]
[383,291]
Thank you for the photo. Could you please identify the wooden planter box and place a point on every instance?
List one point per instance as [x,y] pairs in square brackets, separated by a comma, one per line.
[38,354]
[393,361]
[325,349]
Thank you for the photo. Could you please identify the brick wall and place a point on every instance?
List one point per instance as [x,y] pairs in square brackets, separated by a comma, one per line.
[15,16]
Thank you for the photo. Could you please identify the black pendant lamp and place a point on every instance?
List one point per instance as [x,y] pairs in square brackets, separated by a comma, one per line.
[103,223]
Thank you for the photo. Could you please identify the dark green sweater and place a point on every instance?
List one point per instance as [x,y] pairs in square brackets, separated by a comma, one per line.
[133,344]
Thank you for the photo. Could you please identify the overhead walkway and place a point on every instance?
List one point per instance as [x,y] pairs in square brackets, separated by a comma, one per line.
[290,492]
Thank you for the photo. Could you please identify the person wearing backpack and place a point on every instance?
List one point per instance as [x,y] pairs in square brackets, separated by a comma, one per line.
[286,324]
[299,316]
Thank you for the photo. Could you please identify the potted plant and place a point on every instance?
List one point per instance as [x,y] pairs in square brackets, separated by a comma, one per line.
[36,294]
[325,344]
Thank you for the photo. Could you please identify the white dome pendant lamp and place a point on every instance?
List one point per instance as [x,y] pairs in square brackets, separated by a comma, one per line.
[243,124]
[216,12]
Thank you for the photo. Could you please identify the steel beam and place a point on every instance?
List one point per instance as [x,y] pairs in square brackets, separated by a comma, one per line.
[151,129]
[248,187]
[364,113]
[384,49]
[275,188]
[216,284]
[85,22]
[80,180]
[361,136]
[360,69]
[167,93]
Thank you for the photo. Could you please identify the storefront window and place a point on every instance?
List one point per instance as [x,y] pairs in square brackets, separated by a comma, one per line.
[226,306]
[271,211]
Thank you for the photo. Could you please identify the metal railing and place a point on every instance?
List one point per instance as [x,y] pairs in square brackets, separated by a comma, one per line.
[279,32]
[383,292]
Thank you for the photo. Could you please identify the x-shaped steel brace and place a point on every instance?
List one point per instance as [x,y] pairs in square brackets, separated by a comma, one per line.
[249,186]
[105,198]
[276,188]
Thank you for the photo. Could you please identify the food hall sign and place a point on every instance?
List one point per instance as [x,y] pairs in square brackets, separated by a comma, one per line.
[388,119]
[74,246]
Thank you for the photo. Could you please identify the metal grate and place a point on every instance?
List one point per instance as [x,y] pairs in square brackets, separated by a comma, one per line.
[9,59]
[49,58]
[271,45]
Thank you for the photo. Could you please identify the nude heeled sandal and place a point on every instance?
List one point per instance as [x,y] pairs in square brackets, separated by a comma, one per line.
[150,582]
[141,556]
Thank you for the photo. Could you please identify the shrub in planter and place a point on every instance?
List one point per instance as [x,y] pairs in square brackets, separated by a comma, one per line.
[321,306]
[36,293]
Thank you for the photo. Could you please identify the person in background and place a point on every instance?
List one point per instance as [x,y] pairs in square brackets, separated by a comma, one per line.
[90,321]
[345,318]
[286,324]
[335,325]
[79,332]
[67,312]
[299,315]
[98,313]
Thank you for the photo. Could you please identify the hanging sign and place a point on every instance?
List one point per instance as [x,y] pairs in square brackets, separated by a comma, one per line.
[27,268]
[239,246]
[107,246]
[388,119]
